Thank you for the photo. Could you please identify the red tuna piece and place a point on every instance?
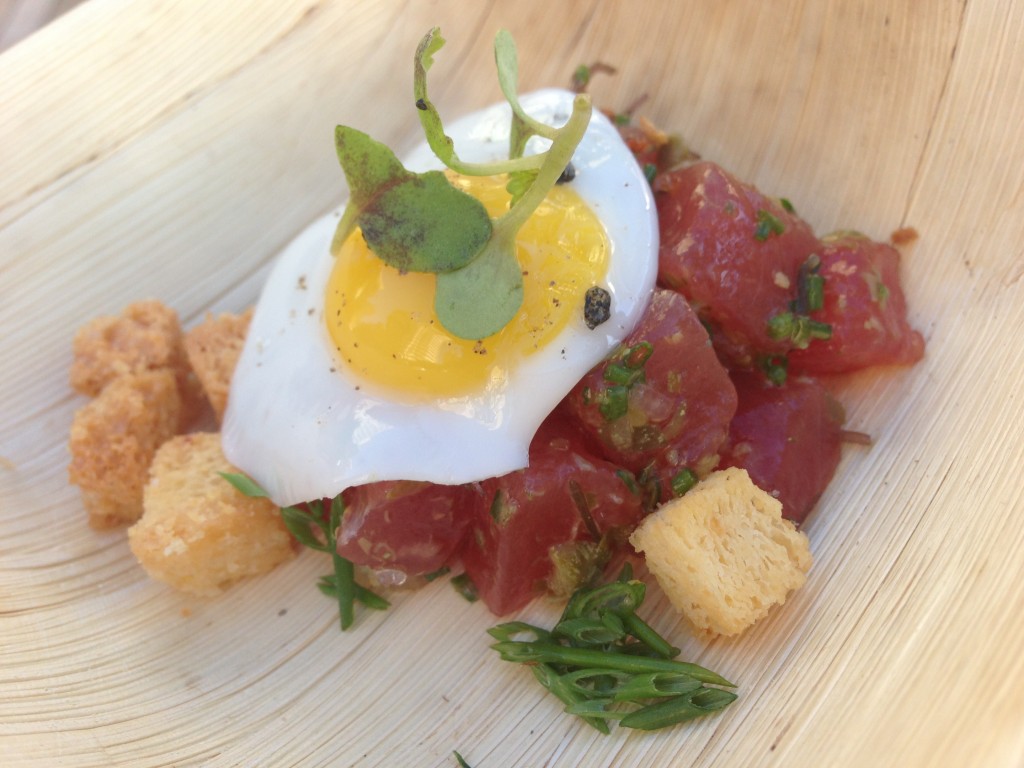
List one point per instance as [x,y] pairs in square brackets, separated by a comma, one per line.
[787,437]
[863,302]
[734,253]
[535,517]
[663,398]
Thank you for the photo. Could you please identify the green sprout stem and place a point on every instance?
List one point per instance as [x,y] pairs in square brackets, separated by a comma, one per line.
[421,222]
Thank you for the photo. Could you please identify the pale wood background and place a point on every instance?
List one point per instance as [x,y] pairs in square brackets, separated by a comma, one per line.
[171,147]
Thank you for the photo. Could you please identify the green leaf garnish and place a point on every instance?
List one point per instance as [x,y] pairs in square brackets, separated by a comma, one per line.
[317,529]
[415,222]
[606,663]
[244,485]
[420,222]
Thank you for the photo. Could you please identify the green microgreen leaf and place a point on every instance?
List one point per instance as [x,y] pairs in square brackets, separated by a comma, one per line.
[460,760]
[419,222]
[481,298]
[433,127]
[415,222]
[507,61]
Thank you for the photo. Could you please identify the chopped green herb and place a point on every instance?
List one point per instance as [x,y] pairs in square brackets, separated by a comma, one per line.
[501,511]
[613,402]
[775,369]
[767,225]
[625,369]
[317,529]
[650,171]
[786,205]
[629,479]
[683,481]
[606,663]
[576,564]
[881,293]
[435,575]
[810,287]
[461,761]
[465,587]
[799,329]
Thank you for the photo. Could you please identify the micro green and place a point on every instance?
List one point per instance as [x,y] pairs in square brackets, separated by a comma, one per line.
[420,222]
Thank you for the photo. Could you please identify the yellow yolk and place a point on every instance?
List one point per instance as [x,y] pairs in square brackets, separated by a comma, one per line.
[383,322]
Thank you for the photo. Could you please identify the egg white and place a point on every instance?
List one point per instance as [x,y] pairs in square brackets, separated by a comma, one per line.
[304,427]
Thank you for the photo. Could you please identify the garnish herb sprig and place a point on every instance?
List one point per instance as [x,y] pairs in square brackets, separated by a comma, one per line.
[422,223]
[606,663]
[317,528]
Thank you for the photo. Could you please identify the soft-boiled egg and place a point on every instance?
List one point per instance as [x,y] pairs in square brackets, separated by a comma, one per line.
[347,377]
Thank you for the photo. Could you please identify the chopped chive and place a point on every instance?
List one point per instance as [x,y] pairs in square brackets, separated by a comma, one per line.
[614,402]
[767,225]
[465,587]
[683,481]
[775,369]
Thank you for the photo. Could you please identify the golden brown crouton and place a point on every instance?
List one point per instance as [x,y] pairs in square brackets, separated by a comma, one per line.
[113,440]
[146,336]
[213,348]
[723,553]
[197,533]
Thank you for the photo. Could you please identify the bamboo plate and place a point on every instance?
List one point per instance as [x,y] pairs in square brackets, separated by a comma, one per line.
[170,149]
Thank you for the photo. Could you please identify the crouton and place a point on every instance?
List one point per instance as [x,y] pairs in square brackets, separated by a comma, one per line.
[723,553]
[146,336]
[213,348]
[113,440]
[197,533]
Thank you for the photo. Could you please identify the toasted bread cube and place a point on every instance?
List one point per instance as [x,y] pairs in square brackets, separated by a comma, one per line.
[113,440]
[213,348]
[197,533]
[723,553]
[146,336]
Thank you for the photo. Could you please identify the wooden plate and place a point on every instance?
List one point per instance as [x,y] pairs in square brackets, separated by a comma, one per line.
[170,149]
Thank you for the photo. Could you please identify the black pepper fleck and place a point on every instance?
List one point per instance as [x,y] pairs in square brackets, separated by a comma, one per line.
[597,306]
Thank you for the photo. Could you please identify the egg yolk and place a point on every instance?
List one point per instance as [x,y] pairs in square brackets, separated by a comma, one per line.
[383,324]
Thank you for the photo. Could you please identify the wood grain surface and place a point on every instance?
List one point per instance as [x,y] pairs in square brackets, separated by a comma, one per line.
[170,148]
